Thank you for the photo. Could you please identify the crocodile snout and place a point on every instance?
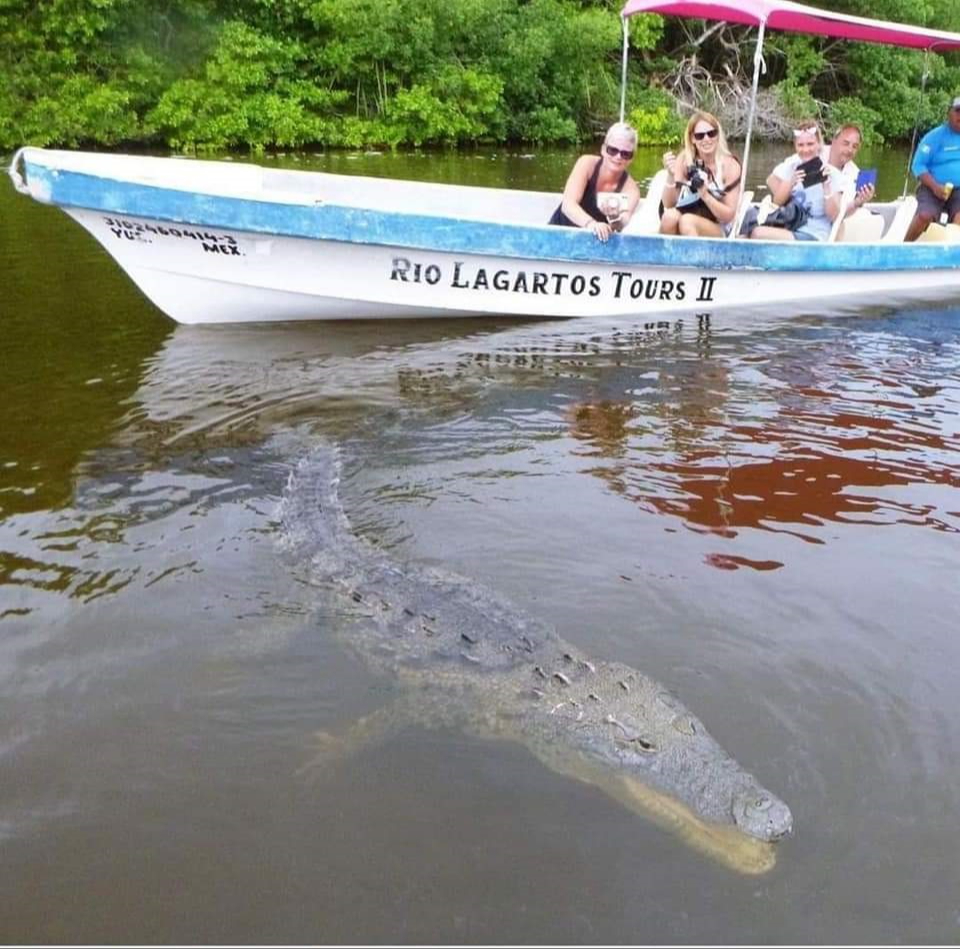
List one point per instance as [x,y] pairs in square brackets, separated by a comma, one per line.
[761,815]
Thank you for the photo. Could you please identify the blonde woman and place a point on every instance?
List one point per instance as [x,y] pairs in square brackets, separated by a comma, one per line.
[810,182]
[592,175]
[703,182]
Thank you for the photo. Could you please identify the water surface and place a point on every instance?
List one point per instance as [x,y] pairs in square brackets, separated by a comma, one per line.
[762,517]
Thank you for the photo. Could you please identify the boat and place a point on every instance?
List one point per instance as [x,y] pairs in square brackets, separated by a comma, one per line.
[215,241]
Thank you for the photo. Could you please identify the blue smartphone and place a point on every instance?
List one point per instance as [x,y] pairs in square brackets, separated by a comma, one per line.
[868,176]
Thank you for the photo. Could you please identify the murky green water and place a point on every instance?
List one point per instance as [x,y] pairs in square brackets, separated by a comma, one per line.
[765,519]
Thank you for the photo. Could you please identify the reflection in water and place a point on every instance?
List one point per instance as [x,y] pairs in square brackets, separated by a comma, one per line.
[72,352]
[782,442]
[844,446]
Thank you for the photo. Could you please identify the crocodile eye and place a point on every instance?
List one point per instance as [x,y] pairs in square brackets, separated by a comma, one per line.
[762,804]
[638,743]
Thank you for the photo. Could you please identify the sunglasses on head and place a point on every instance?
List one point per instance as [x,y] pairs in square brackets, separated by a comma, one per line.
[700,136]
[625,153]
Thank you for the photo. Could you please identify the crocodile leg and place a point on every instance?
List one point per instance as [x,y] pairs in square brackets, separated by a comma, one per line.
[329,748]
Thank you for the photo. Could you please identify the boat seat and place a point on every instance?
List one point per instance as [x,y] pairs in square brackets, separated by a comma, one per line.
[646,219]
[937,233]
[897,231]
[861,227]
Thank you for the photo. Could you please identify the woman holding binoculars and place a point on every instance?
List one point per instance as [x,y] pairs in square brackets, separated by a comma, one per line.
[702,192]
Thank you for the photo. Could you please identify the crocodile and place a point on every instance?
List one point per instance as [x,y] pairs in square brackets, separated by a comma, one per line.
[468,658]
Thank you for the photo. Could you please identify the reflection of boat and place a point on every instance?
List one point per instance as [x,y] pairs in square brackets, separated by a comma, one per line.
[221,241]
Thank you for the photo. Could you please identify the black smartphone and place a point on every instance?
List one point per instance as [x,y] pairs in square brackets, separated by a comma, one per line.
[812,171]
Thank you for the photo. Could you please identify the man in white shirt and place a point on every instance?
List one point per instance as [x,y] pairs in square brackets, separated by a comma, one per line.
[840,153]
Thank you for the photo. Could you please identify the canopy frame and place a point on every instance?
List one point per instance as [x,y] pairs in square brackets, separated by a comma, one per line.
[788,16]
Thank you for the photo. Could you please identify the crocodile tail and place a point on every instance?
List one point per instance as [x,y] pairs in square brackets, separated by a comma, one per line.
[314,523]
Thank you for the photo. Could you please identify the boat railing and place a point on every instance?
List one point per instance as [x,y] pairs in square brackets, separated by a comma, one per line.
[904,210]
[746,199]
[838,220]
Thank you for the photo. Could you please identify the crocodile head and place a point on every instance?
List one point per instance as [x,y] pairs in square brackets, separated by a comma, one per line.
[614,727]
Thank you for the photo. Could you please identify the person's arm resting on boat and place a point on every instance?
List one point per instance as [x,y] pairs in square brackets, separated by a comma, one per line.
[573,194]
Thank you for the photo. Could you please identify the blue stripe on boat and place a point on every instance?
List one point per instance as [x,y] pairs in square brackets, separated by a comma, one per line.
[458,236]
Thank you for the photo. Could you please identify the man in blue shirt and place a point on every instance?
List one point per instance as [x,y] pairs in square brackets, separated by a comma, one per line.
[936,166]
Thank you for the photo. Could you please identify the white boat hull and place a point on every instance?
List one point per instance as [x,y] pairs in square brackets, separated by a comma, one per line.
[213,242]
[233,276]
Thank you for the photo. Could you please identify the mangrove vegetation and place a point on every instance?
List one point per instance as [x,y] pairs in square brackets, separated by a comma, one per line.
[276,74]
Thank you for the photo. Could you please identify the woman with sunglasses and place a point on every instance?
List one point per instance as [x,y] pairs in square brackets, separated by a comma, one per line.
[592,176]
[703,182]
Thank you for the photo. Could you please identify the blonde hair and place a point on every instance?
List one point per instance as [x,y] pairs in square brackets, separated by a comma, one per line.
[621,128]
[690,153]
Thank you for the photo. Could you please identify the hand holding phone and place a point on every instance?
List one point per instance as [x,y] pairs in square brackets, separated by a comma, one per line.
[812,171]
[867,176]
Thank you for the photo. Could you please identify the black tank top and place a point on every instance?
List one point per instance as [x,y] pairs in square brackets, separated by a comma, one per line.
[589,200]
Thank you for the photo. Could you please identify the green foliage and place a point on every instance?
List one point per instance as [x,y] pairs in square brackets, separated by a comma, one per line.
[655,117]
[889,82]
[557,59]
[550,124]
[456,105]
[805,61]
[86,71]
[289,73]
[850,111]
[796,100]
[80,110]
[646,31]
[251,94]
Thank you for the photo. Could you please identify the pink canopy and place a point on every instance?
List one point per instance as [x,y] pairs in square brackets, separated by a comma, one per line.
[796,18]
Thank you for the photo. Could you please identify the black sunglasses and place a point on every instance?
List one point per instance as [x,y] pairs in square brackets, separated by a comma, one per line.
[700,136]
[624,153]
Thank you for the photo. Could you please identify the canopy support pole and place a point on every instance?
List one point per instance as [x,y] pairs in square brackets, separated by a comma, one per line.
[623,67]
[758,64]
[916,124]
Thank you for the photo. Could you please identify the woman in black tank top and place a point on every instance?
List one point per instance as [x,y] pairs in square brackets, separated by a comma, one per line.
[591,176]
